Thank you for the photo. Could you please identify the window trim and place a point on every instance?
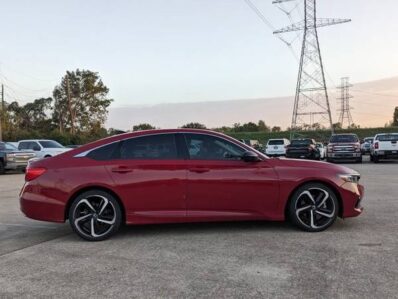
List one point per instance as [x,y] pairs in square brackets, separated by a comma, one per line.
[183,155]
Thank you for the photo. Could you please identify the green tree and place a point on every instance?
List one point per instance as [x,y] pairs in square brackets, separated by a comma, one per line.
[81,102]
[263,127]
[337,126]
[276,129]
[395,118]
[194,125]
[31,116]
[142,127]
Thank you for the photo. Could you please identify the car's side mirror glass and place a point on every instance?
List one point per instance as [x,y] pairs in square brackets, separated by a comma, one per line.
[250,157]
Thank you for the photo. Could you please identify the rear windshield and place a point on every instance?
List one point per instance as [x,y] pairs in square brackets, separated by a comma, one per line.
[392,137]
[275,142]
[302,142]
[50,144]
[343,138]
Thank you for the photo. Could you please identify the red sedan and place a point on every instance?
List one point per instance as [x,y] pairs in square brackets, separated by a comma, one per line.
[181,175]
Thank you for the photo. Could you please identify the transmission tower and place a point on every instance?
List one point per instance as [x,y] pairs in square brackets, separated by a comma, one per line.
[345,108]
[311,104]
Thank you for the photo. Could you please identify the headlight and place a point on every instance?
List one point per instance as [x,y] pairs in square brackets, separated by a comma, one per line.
[351,178]
[10,157]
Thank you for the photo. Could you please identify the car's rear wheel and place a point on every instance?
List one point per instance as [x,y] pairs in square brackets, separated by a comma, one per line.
[313,207]
[95,215]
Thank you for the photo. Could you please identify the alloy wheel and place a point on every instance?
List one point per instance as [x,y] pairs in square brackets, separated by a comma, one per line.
[315,208]
[94,216]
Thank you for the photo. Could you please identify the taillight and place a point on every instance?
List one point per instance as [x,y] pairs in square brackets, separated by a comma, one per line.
[34,173]
[376,145]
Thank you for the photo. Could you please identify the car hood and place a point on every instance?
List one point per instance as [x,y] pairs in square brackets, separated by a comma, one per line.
[296,163]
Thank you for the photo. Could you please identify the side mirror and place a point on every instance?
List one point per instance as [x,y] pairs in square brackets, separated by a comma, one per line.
[250,157]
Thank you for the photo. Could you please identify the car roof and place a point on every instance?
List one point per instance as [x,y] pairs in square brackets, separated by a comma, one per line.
[35,140]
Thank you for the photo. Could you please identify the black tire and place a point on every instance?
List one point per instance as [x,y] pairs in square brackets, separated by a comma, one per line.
[304,211]
[100,218]
[2,169]
[47,156]
[329,160]
[359,160]
[375,159]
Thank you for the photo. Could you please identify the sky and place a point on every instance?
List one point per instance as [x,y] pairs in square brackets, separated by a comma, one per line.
[158,51]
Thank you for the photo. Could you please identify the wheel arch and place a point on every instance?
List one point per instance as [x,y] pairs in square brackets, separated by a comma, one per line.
[327,184]
[94,187]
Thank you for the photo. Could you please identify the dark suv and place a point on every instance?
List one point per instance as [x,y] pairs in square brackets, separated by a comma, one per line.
[303,149]
[343,147]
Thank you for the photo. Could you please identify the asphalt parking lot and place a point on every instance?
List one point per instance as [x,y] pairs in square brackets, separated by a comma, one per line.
[356,258]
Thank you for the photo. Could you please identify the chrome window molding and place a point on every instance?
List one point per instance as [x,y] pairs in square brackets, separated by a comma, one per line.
[85,153]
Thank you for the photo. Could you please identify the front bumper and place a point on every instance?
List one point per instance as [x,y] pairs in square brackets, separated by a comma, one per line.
[16,165]
[344,155]
[352,196]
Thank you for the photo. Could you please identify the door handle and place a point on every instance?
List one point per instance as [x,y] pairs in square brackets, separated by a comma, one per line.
[199,169]
[121,169]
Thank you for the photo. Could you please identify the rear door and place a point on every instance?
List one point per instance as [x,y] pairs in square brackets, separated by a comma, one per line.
[150,177]
[222,186]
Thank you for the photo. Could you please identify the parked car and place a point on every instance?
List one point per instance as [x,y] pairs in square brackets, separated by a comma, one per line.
[276,147]
[43,148]
[322,150]
[344,147]
[252,143]
[385,147]
[72,146]
[303,149]
[13,159]
[153,177]
[366,145]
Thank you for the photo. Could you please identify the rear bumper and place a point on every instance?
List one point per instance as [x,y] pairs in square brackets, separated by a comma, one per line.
[38,206]
[387,155]
[303,155]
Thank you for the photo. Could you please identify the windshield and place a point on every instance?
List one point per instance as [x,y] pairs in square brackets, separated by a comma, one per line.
[389,137]
[368,140]
[344,139]
[10,147]
[301,142]
[275,142]
[50,144]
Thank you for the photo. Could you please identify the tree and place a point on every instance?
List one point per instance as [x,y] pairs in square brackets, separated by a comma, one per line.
[143,127]
[337,126]
[395,118]
[263,127]
[31,116]
[81,102]
[194,125]
[353,126]
[276,129]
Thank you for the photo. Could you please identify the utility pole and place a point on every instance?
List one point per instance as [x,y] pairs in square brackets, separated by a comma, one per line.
[68,94]
[2,114]
[345,108]
[311,104]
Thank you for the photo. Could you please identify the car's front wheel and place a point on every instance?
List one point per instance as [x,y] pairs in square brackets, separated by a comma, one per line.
[313,207]
[95,215]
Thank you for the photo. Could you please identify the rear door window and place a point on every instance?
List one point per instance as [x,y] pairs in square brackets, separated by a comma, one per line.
[104,153]
[153,147]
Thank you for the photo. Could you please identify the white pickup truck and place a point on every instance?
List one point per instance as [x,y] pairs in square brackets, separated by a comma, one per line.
[385,147]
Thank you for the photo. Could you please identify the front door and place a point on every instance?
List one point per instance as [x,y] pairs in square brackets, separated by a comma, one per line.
[220,185]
